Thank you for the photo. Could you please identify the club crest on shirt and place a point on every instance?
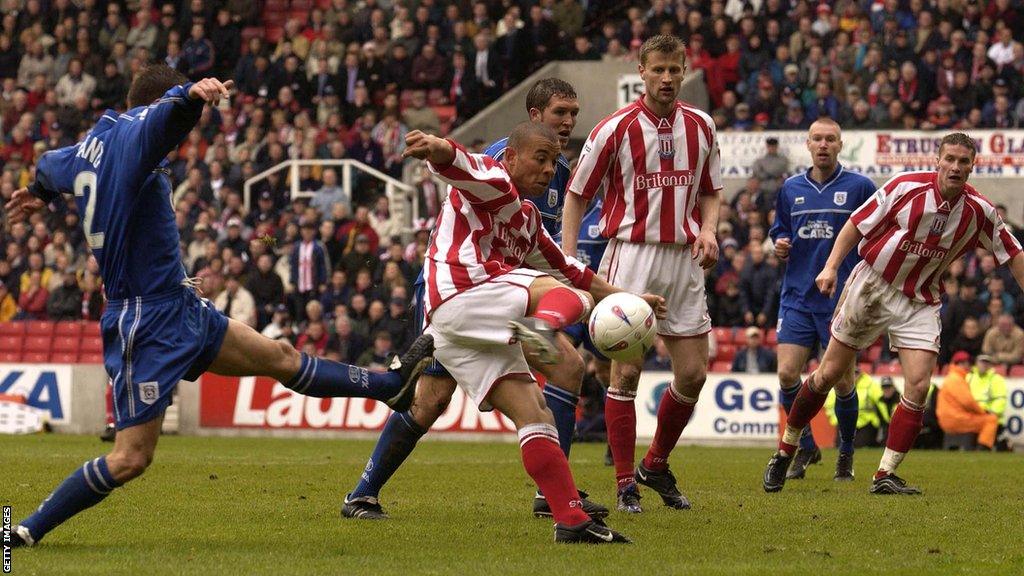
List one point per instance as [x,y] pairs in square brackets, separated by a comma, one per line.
[593,230]
[552,197]
[839,198]
[666,145]
[938,224]
[149,392]
[798,201]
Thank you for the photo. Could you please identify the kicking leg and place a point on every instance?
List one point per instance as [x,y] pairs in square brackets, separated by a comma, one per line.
[246,352]
[93,481]
[398,439]
[689,371]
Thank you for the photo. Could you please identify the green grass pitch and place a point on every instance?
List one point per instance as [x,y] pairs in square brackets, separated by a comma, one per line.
[271,506]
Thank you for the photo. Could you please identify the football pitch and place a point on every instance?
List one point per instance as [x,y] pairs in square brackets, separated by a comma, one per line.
[271,506]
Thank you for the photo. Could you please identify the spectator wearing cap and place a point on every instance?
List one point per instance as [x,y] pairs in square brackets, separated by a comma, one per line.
[754,358]
[771,169]
[233,238]
[958,411]
[308,264]
[329,194]
[1004,342]
[8,306]
[280,326]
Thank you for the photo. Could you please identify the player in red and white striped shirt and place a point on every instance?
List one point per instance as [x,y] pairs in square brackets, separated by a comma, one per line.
[909,232]
[478,291]
[657,161]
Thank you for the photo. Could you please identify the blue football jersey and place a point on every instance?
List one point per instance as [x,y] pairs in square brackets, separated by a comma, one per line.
[590,245]
[549,204]
[811,215]
[122,197]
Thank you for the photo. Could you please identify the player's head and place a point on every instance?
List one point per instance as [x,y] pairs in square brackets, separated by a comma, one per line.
[824,142]
[553,102]
[151,83]
[662,66]
[955,163]
[531,156]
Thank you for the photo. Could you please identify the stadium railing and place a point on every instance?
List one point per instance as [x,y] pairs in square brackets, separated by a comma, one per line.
[400,195]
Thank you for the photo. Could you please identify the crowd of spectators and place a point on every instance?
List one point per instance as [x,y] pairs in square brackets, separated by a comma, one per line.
[340,79]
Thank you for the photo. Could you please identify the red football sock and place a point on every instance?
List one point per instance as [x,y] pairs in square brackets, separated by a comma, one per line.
[673,414]
[903,430]
[805,406]
[546,464]
[561,306]
[110,405]
[620,420]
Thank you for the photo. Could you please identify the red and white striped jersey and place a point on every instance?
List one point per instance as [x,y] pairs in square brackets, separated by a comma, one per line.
[652,170]
[912,235]
[486,230]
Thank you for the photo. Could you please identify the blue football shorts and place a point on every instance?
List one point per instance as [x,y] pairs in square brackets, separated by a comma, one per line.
[152,342]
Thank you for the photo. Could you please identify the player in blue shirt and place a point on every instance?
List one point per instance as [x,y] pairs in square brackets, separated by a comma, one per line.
[156,330]
[810,210]
[552,102]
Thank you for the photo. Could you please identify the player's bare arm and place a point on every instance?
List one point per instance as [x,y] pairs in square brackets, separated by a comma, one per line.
[421,146]
[706,245]
[572,215]
[848,238]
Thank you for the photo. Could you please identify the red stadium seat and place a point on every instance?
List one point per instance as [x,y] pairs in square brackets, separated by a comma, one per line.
[771,338]
[1000,369]
[323,4]
[70,329]
[92,344]
[38,344]
[302,5]
[889,369]
[1016,371]
[91,329]
[273,33]
[721,367]
[11,344]
[866,368]
[66,344]
[64,357]
[90,358]
[9,357]
[739,338]
[12,328]
[723,335]
[39,327]
[873,354]
[726,352]
[35,357]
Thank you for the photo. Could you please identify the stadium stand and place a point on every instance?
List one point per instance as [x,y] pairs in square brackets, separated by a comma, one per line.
[334,79]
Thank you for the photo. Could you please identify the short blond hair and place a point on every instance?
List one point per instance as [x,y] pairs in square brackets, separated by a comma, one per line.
[664,43]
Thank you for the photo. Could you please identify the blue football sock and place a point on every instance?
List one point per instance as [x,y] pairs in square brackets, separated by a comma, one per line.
[847,410]
[562,404]
[85,487]
[787,396]
[329,379]
[396,442]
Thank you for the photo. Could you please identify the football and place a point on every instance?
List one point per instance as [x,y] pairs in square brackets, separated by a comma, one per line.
[622,326]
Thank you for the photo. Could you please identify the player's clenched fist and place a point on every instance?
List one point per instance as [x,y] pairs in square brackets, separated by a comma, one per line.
[826,281]
[782,247]
[426,147]
[210,90]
